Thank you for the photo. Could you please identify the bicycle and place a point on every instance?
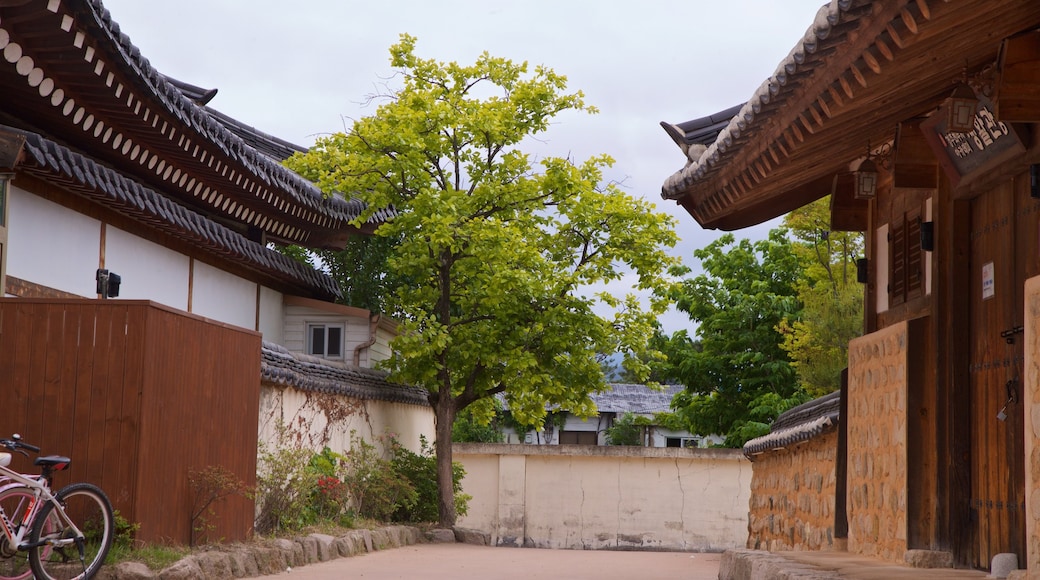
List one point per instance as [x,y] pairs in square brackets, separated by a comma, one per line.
[50,536]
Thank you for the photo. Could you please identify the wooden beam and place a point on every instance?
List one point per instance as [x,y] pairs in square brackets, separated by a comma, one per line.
[884,49]
[858,75]
[872,62]
[926,11]
[908,20]
[816,115]
[913,162]
[836,96]
[846,86]
[821,103]
[1018,88]
[896,39]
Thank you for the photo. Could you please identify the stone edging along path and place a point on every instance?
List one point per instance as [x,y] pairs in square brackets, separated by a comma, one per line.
[264,557]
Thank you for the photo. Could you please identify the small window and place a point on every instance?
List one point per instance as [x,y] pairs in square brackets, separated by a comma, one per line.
[687,442]
[578,438]
[325,340]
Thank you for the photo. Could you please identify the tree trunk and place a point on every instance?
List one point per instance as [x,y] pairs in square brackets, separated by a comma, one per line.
[444,417]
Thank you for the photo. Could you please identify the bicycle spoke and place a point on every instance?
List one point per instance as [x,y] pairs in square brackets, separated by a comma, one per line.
[66,554]
[14,502]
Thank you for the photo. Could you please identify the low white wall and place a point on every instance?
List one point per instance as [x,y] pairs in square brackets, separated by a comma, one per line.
[607,498]
[320,419]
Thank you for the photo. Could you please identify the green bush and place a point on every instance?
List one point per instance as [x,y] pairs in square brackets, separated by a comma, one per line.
[285,486]
[421,470]
[376,491]
[625,431]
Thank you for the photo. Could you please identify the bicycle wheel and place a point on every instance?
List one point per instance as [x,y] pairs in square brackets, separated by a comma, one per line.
[14,503]
[63,554]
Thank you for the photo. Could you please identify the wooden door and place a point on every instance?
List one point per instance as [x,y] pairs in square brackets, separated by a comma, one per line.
[1003,239]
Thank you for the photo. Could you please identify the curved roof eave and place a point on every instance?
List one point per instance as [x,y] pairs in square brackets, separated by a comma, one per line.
[50,161]
[855,76]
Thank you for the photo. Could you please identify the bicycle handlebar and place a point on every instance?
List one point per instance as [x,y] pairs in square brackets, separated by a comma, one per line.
[15,443]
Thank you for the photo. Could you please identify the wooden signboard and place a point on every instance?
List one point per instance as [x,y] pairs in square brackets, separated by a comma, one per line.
[965,156]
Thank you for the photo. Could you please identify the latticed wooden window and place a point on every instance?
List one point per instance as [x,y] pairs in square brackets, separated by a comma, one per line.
[906,260]
[897,263]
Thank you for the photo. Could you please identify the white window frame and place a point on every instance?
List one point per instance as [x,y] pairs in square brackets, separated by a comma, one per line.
[685,442]
[325,326]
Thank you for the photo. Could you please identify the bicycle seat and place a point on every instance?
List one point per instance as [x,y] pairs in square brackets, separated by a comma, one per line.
[5,459]
[56,462]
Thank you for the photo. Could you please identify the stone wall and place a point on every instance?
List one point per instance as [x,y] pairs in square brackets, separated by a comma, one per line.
[792,497]
[877,474]
[607,497]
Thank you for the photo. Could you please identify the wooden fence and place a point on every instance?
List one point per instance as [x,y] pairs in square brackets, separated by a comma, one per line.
[138,395]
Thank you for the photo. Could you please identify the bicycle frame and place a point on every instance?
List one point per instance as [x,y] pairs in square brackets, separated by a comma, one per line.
[41,494]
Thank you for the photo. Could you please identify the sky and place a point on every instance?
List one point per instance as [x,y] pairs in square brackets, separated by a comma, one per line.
[301,69]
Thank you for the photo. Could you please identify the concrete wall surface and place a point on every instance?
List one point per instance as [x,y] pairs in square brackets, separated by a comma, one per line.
[607,498]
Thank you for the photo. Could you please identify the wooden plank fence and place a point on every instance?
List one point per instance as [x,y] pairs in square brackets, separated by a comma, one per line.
[138,395]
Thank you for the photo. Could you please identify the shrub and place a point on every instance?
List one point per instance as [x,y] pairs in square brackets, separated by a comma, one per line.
[625,431]
[209,485]
[375,489]
[421,470]
[285,485]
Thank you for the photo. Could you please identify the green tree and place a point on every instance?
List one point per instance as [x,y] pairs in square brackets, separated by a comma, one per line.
[832,314]
[497,257]
[627,430]
[361,271]
[737,376]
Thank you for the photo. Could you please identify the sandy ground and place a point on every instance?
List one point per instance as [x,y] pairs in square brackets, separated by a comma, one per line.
[465,561]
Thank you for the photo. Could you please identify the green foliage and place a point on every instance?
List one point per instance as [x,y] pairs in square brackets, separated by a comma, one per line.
[472,428]
[625,431]
[832,299]
[747,291]
[420,469]
[156,556]
[285,485]
[298,253]
[375,488]
[493,256]
[125,531]
[208,486]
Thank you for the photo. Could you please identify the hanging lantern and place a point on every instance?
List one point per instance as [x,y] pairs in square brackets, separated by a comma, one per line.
[961,109]
[866,180]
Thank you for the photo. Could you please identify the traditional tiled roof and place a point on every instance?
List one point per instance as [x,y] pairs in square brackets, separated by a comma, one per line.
[283,368]
[52,162]
[638,399]
[799,424]
[70,75]
[845,86]
[703,131]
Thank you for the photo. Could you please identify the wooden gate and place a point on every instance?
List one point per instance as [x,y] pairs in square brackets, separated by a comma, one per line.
[1003,255]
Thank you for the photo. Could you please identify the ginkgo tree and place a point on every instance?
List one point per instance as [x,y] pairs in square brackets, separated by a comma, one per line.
[500,257]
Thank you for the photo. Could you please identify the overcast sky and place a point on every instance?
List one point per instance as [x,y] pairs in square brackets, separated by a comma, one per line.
[299,69]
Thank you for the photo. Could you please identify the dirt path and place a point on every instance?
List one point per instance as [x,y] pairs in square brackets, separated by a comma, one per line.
[466,562]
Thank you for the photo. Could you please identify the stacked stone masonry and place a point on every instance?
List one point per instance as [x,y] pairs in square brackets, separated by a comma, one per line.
[877,474]
[792,497]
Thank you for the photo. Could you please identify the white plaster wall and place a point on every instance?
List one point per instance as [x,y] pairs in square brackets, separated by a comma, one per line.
[584,497]
[322,419]
[148,271]
[356,332]
[51,245]
[223,296]
[272,315]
